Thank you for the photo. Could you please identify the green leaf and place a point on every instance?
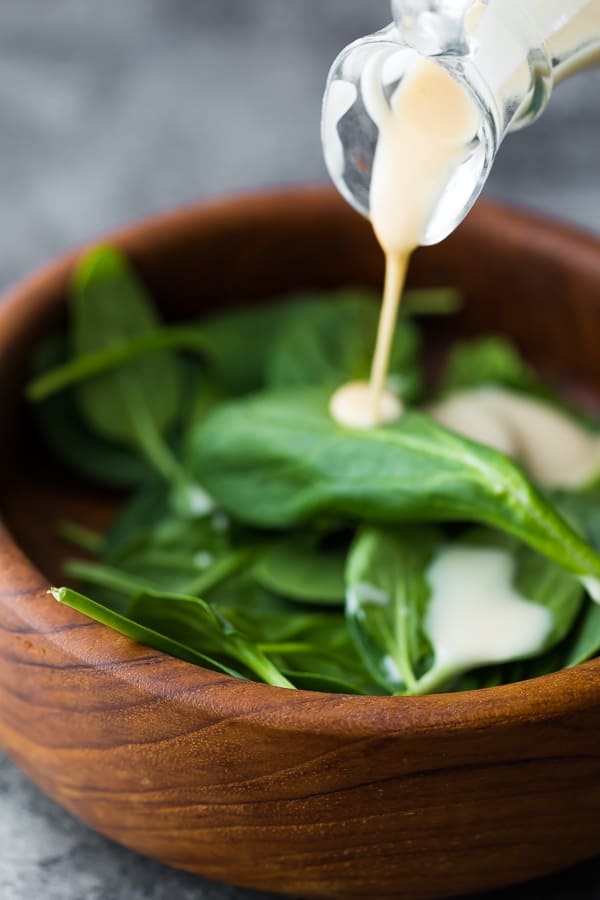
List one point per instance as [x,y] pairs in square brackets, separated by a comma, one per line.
[137,632]
[98,362]
[278,460]
[583,508]
[137,403]
[81,536]
[586,640]
[156,571]
[432,301]
[312,681]
[302,567]
[489,360]
[239,341]
[299,640]
[191,621]
[70,440]
[330,341]
[547,584]
[236,345]
[137,517]
[386,600]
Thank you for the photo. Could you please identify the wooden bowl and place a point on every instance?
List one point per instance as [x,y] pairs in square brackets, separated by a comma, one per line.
[304,793]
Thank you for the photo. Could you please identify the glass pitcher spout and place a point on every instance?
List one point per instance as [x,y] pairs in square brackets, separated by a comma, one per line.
[506,54]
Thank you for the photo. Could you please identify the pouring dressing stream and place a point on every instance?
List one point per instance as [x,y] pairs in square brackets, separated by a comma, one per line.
[424,131]
[413,117]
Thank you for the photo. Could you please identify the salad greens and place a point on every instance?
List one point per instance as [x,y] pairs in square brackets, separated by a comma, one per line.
[264,541]
[277,459]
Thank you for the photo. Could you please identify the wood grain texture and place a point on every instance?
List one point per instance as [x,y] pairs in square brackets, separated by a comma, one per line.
[309,794]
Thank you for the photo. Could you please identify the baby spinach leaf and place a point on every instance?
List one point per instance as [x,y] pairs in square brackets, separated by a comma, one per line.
[302,568]
[298,639]
[315,670]
[236,346]
[543,582]
[328,343]
[278,460]
[586,640]
[137,517]
[138,632]
[582,507]
[191,621]
[311,681]
[489,360]
[331,655]
[65,374]
[431,301]
[67,436]
[239,341]
[80,536]
[137,403]
[386,599]
[477,679]
[155,572]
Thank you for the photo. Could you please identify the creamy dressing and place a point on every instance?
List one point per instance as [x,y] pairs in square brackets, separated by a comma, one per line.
[351,406]
[553,449]
[424,131]
[476,616]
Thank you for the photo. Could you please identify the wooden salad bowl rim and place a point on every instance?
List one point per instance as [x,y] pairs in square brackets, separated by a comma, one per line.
[42,625]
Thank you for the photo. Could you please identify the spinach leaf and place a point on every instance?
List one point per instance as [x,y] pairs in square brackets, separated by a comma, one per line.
[326,683]
[477,679]
[98,362]
[236,346]
[239,341]
[586,640]
[302,567]
[495,361]
[328,343]
[314,669]
[80,536]
[138,632]
[547,584]
[191,621]
[310,647]
[490,360]
[137,517]
[278,460]
[583,507]
[156,571]
[431,301]
[137,403]
[386,600]
[67,436]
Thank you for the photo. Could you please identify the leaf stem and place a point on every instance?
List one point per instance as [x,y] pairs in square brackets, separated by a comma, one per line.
[154,447]
[91,364]
[80,536]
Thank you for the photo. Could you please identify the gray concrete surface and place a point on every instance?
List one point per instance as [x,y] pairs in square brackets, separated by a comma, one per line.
[114,109]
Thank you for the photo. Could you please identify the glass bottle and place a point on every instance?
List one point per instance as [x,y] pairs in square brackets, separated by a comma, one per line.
[508,54]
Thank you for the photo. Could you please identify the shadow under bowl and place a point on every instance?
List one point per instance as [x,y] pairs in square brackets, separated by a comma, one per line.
[304,793]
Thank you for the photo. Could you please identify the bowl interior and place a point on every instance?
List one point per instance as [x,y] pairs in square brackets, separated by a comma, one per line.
[521,276]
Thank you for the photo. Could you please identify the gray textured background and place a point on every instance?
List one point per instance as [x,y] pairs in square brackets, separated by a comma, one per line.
[110,110]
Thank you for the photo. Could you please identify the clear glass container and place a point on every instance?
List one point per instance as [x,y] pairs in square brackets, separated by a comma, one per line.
[507,54]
